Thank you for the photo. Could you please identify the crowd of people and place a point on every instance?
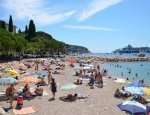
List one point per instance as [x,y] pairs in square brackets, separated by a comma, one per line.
[26,93]
[94,75]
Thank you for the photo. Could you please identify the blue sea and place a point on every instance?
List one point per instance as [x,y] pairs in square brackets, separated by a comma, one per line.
[131,70]
[112,55]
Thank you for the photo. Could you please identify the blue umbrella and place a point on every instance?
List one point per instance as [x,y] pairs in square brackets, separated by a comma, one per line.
[134,90]
[8,81]
[69,86]
[137,84]
[77,68]
[43,74]
[133,107]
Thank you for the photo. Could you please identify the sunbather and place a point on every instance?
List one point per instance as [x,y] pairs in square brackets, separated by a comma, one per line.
[121,94]
[140,99]
[118,94]
[39,91]
[71,97]
[78,82]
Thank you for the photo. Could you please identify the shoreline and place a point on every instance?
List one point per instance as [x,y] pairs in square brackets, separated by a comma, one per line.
[95,58]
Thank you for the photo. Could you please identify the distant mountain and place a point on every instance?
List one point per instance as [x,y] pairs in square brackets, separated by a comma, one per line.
[77,49]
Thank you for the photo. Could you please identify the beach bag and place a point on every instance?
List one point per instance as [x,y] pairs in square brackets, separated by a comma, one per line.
[19,102]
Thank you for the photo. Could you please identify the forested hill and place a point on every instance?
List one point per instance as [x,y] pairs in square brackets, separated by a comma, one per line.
[77,49]
[42,44]
[68,48]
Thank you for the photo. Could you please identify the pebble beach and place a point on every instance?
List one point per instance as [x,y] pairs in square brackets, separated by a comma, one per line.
[101,101]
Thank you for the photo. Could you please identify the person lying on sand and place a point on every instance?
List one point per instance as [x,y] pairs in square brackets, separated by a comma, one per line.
[60,73]
[121,94]
[139,99]
[71,97]
[56,72]
[78,82]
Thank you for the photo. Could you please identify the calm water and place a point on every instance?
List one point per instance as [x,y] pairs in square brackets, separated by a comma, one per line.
[129,69]
[112,55]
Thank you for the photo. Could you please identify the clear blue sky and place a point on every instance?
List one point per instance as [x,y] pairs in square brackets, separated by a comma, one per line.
[100,25]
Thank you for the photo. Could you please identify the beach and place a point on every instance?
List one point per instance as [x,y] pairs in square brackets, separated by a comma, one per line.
[101,101]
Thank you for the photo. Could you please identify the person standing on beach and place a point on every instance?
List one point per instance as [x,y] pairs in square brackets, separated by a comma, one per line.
[10,91]
[98,68]
[36,65]
[53,88]
[49,77]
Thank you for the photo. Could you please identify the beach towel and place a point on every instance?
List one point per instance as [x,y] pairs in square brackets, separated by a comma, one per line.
[25,111]
[45,93]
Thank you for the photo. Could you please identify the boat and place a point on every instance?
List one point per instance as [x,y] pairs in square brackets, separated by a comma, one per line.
[141,55]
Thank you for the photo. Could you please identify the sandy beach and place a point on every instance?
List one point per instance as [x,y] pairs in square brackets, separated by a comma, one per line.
[101,101]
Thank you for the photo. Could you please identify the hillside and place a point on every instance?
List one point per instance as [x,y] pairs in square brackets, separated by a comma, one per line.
[77,49]
[68,48]
[12,45]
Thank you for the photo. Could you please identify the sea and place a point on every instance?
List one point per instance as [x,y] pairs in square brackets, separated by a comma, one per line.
[131,70]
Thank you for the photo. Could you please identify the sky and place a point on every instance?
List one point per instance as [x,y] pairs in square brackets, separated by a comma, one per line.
[100,25]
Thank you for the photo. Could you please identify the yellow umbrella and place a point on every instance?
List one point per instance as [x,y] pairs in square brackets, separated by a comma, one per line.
[146,91]
[13,73]
[29,80]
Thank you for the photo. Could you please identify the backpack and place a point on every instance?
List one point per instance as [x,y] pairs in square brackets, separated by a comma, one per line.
[20,100]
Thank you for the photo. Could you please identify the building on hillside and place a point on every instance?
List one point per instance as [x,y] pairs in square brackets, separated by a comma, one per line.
[7,26]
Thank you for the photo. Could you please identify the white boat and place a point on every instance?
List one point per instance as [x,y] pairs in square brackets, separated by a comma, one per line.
[141,55]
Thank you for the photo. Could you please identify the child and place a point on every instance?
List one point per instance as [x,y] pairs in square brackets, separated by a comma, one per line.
[19,102]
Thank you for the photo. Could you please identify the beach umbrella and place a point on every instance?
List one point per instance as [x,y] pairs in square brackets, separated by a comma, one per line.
[86,68]
[133,107]
[137,84]
[29,80]
[13,73]
[43,74]
[68,87]
[146,91]
[90,65]
[134,90]
[77,68]
[121,81]
[8,81]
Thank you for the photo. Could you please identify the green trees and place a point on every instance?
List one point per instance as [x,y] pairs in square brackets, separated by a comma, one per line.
[26,30]
[19,31]
[32,30]
[10,44]
[3,25]
[10,27]
[29,41]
